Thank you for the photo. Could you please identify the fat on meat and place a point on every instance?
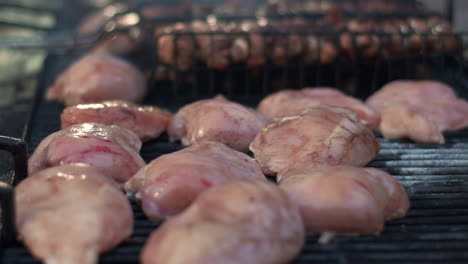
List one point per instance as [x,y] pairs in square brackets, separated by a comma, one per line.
[112,149]
[171,182]
[147,122]
[419,110]
[70,214]
[217,120]
[318,136]
[98,77]
[289,102]
[238,222]
[345,199]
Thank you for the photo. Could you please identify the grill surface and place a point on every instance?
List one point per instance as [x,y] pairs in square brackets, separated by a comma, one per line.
[435,176]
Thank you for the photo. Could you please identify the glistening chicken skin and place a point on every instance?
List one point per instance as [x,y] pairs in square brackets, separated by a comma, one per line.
[147,122]
[98,77]
[419,110]
[112,149]
[345,199]
[290,102]
[217,120]
[71,213]
[317,137]
[170,183]
[238,222]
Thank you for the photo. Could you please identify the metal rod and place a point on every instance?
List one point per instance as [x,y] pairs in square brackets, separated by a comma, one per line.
[18,149]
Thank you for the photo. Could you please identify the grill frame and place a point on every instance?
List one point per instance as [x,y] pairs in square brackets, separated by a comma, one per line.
[436,230]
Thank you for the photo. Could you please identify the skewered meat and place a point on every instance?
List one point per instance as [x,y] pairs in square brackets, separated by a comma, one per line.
[98,77]
[176,50]
[237,222]
[441,40]
[249,45]
[219,44]
[112,149]
[214,48]
[419,110]
[364,42]
[71,213]
[319,136]
[170,183]
[146,122]
[345,199]
[217,120]
[289,102]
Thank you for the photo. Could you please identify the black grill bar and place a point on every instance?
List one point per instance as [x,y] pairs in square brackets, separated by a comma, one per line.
[18,149]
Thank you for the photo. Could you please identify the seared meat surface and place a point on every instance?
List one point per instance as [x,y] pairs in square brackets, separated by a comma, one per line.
[289,102]
[319,136]
[237,222]
[147,122]
[419,110]
[345,199]
[170,183]
[217,120]
[112,149]
[71,213]
[98,77]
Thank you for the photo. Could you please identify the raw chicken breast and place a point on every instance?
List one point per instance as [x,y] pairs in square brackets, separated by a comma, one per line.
[112,149]
[217,120]
[345,199]
[319,136]
[237,222]
[71,213]
[146,122]
[170,183]
[98,77]
[419,110]
[290,102]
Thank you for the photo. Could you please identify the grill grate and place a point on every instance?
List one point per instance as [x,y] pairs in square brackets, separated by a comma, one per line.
[435,176]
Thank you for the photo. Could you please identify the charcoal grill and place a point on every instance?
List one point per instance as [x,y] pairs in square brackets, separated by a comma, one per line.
[435,176]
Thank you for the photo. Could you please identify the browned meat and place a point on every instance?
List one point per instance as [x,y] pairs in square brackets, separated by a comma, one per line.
[364,43]
[345,199]
[98,77]
[112,149]
[244,221]
[290,102]
[170,183]
[419,110]
[71,213]
[213,48]
[249,45]
[147,122]
[319,136]
[217,120]
[176,49]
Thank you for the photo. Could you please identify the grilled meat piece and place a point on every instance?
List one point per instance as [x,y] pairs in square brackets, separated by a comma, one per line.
[217,120]
[112,149]
[319,136]
[170,183]
[345,199]
[419,110]
[237,222]
[176,49]
[147,122]
[98,77]
[364,43]
[290,102]
[71,213]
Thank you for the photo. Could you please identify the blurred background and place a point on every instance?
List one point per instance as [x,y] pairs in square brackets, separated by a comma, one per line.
[32,29]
